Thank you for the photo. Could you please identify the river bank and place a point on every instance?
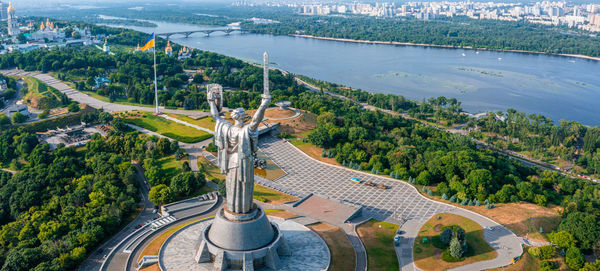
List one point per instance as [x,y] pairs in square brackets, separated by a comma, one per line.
[441,46]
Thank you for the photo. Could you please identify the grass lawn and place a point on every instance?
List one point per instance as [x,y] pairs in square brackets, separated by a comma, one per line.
[169,166]
[205,122]
[342,252]
[428,257]
[312,150]
[166,127]
[528,262]
[522,218]
[269,195]
[39,95]
[209,168]
[378,237]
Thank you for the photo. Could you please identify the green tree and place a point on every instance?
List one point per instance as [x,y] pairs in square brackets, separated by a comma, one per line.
[161,194]
[446,236]
[455,248]
[163,146]
[584,227]
[424,178]
[17,117]
[4,119]
[574,258]
[73,107]
[105,117]
[562,239]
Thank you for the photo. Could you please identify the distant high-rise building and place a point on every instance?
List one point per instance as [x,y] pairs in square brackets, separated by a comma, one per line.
[13,27]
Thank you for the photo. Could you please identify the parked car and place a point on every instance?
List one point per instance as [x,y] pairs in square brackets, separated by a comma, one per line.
[396,240]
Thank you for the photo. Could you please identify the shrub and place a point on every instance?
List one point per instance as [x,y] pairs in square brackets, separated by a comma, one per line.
[543,252]
[73,107]
[562,239]
[18,118]
[211,147]
[444,196]
[464,202]
[446,236]
[44,114]
[574,258]
[548,266]
[453,198]
[4,119]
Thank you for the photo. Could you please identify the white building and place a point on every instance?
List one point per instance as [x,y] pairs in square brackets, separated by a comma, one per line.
[13,26]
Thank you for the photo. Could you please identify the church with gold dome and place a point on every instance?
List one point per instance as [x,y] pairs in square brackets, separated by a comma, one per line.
[47,31]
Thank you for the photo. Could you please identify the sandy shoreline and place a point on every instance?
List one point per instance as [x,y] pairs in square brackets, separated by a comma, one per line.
[442,46]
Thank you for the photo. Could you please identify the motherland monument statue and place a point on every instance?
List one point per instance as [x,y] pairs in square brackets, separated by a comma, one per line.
[237,144]
[241,236]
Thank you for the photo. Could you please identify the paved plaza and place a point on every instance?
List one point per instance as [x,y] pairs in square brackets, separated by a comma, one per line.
[309,251]
[305,175]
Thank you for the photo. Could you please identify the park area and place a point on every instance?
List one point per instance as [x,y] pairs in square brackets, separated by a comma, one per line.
[204,122]
[429,250]
[378,238]
[524,219]
[165,127]
[42,96]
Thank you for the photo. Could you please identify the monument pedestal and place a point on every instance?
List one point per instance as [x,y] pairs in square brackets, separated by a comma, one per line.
[242,241]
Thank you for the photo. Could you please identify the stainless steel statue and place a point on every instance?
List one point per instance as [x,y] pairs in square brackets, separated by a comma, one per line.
[237,144]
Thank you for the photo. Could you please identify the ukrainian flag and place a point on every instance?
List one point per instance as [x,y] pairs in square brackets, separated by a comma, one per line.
[149,43]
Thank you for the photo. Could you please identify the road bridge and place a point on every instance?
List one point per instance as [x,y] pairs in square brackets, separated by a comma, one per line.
[187,33]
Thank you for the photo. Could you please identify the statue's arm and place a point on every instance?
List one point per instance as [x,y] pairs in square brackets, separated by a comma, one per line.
[214,111]
[260,112]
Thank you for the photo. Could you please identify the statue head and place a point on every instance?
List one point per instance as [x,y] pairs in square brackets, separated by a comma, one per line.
[238,116]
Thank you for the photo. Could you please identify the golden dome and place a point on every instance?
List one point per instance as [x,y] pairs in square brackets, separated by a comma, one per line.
[10,7]
[168,48]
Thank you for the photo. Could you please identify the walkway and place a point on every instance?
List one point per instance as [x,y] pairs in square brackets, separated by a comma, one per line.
[93,102]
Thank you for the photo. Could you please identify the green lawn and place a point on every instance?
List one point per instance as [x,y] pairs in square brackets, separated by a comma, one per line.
[428,257]
[169,166]
[166,127]
[378,238]
[264,194]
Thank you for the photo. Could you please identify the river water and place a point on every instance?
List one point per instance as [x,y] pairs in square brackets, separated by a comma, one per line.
[554,86]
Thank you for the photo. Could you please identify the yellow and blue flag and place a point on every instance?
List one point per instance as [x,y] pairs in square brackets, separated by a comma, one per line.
[149,43]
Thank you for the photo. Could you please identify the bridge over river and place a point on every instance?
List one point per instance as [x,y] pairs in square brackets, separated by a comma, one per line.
[187,33]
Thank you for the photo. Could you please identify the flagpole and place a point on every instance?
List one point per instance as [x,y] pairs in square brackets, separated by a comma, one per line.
[155,86]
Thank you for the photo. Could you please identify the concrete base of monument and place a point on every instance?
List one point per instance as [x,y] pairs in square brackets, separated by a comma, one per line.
[307,251]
